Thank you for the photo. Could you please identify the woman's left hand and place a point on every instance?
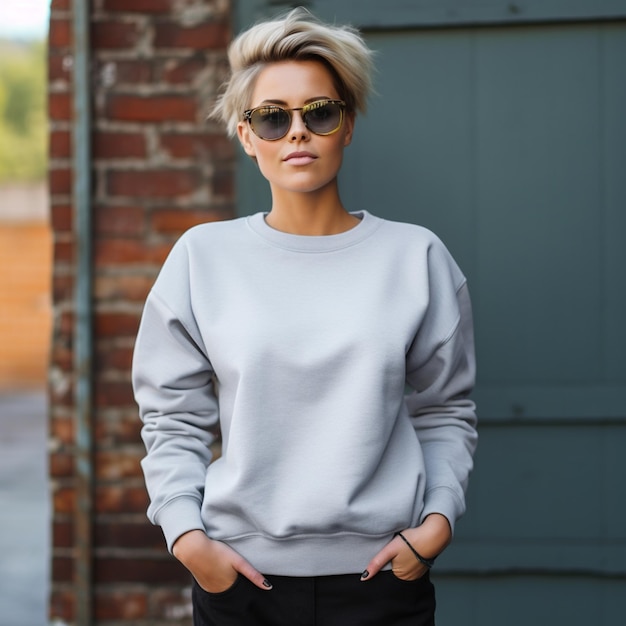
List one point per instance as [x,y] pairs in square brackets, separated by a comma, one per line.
[429,539]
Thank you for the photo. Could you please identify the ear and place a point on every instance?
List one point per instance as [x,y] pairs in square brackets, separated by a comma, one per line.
[243,133]
[349,128]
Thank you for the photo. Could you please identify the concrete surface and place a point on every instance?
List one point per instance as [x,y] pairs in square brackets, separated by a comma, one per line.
[24,510]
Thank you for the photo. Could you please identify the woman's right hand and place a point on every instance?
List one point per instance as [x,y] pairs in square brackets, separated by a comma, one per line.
[213,564]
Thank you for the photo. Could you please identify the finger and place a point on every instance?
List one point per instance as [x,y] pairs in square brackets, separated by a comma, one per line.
[253,575]
[379,561]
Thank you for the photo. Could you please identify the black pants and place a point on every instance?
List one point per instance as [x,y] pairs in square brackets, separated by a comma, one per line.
[319,601]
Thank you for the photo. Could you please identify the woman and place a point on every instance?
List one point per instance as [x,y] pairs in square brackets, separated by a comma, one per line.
[296,331]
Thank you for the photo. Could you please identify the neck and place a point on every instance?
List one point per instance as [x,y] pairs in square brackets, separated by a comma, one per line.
[310,214]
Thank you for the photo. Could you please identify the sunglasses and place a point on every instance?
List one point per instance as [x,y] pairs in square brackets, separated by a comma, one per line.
[271,122]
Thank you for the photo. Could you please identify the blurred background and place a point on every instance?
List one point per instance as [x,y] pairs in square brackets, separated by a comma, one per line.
[25,313]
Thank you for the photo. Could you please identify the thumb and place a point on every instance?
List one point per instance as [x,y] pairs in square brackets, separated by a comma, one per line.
[253,575]
[379,561]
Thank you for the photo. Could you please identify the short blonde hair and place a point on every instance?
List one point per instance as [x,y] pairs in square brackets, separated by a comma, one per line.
[298,35]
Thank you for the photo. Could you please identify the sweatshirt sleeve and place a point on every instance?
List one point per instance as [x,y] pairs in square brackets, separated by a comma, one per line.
[173,385]
[441,371]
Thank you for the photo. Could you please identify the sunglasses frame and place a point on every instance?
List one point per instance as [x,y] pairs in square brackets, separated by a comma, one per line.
[247,116]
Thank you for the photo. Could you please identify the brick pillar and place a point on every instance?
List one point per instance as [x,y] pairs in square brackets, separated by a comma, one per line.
[158,168]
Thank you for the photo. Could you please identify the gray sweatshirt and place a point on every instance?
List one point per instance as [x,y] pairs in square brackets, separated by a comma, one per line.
[300,349]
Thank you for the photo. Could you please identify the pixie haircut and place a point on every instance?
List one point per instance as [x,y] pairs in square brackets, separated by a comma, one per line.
[296,36]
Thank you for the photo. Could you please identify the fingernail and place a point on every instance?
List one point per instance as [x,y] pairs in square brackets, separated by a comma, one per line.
[267,583]
[364,575]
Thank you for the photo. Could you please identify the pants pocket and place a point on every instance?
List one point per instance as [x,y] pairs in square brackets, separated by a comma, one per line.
[220,609]
[230,589]
[417,596]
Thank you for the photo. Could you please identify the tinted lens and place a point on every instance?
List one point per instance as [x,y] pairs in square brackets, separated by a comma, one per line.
[270,122]
[322,117]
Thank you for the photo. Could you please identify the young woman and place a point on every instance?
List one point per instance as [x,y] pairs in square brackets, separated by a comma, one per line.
[296,330]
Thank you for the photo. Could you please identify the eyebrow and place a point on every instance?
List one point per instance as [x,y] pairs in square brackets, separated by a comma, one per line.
[283,103]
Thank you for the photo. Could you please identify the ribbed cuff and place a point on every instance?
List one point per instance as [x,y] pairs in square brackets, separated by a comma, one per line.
[445,502]
[179,517]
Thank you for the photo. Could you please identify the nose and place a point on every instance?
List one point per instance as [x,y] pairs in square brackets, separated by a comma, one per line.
[298,130]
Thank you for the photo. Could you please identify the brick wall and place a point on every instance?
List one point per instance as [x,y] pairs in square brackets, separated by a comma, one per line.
[158,168]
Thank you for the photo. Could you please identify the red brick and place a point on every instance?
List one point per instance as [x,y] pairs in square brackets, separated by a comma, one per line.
[62,217]
[184,71]
[142,535]
[176,221]
[140,570]
[152,183]
[134,72]
[60,383]
[61,465]
[58,69]
[62,430]
[60,5]
[65,324]
[111,394]
[61,353]
[62,288]
[61,360]
[171,602]
[114,35]
[62,325]
[114,324]
[60,181]
[59,106]
[62,605]
[115,145]
[64,500]
[62,569]
[60,144]
[207,36]
[61,396]
[62,534]
[113,465]
[115,252]
[138,6]
[152,108]
[60,33]
[125,287]
[118,499]
[120,605]
[112,357]
[63,252]
[116,432]
[214,146]
[119,220]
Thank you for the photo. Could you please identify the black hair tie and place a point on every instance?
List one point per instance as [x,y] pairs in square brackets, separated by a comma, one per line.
[426,562]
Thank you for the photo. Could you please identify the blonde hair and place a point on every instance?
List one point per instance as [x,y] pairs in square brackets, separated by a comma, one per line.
[298,35]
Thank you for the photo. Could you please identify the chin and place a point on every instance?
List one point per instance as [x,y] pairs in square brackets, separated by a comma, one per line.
[304,186]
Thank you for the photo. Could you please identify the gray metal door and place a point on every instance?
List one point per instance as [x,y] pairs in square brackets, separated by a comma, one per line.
[501,126]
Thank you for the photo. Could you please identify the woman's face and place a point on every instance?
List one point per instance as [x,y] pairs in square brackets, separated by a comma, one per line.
[301,161]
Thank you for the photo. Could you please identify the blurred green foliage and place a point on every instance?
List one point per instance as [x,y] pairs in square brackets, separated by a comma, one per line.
[23,120]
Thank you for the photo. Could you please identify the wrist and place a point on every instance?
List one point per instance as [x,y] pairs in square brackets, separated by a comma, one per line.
[431,537]
[188,545]
[426,562]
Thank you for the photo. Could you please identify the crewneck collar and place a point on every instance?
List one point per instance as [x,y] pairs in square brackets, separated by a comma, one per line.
[367,225]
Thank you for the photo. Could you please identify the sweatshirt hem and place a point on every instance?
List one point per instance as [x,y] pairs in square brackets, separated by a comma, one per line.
[310,555]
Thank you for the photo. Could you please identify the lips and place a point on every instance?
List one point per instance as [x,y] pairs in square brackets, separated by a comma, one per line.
[300,158]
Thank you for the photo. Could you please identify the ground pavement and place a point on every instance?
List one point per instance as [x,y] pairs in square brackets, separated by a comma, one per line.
[24,510]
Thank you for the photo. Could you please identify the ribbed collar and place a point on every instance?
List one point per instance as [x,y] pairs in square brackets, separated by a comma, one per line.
[315,243]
